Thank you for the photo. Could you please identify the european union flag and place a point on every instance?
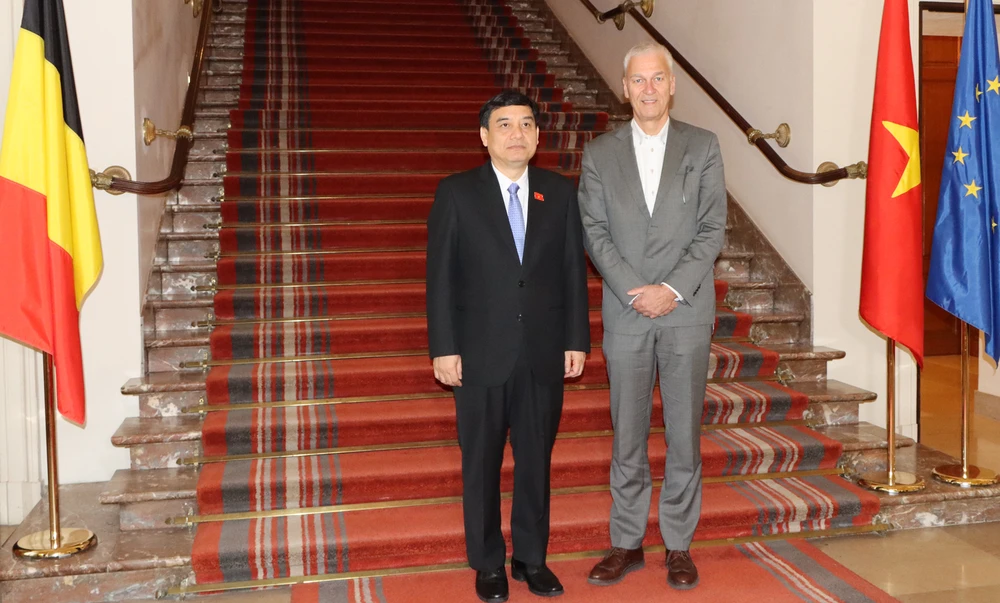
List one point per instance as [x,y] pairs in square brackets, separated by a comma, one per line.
[965,266]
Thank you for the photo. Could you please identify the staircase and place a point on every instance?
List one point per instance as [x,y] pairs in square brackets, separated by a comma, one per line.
[290,424]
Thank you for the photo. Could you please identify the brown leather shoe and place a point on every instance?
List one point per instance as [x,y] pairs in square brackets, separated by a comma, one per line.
[615,565]
[681,572]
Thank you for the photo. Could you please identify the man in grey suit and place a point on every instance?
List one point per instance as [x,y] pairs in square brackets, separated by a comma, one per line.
[653,204]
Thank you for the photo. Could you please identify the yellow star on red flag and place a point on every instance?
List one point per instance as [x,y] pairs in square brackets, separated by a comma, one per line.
[909,139]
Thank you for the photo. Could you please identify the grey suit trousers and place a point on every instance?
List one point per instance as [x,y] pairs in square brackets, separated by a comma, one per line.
[680,355]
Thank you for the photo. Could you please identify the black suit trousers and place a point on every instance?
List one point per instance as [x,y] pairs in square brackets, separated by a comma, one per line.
[530,410]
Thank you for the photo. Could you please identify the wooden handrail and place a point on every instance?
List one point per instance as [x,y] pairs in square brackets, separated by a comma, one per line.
[825,177]
[183,146]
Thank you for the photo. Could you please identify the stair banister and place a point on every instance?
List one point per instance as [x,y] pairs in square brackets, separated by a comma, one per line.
[828,173]
[108,181]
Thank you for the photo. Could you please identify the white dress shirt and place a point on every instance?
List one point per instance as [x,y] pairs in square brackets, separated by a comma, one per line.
[649,151]
[522,192]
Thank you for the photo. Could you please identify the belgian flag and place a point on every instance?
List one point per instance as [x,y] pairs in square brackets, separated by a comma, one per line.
[50,249]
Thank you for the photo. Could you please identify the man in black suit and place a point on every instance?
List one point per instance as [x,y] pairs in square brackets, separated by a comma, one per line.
[507,322]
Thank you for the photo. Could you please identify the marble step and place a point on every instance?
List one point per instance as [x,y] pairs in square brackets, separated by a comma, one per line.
[197,246]
[168,350]
[205,145]
[551,52]
[803,361]
[124,564]
[566,77]
[574,92]
[133,565]
[148,497]
[179,279]
[189,218]
[169,394]
[237,10]
[938,504]
[177,313]
[172,338]
[240,4]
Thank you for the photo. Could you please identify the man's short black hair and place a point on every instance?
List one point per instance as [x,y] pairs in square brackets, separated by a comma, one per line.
[507,98]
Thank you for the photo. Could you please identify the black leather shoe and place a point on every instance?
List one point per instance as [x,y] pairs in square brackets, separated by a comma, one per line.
[491,587]
[541,581]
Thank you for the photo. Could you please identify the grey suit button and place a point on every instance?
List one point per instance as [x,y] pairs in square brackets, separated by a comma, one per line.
[520,283]
[520,318]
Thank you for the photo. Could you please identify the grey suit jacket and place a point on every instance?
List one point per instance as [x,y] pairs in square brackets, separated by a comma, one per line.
[678,245]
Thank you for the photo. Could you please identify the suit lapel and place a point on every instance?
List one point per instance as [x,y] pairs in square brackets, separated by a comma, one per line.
[493,207]
[674,153]
[537,214]
[630,169]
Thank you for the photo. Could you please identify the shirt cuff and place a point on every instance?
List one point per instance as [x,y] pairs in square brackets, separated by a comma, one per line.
[678,297]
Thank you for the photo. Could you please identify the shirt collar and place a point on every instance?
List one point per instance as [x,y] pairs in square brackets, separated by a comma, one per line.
[522,182]
[638,135]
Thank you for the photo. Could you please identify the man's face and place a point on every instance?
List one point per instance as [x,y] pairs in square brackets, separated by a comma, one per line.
[649,84]
[512,136]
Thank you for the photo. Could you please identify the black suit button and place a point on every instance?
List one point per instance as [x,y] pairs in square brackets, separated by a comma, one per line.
[520,318]
[520,283]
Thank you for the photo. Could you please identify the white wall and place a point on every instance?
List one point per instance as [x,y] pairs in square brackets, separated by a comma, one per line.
[811,64]
[164,37]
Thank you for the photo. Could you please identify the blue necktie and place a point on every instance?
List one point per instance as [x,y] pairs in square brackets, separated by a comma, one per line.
[516,219]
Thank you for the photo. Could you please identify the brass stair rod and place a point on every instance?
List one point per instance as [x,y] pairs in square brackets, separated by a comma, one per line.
[965,475]
[891,481]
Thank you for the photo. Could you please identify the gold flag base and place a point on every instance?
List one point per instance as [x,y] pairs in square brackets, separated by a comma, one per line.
[38,545]
[967,477]
[901,483]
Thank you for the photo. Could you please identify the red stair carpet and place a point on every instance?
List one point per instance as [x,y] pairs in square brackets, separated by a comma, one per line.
[348,116]
[782,572]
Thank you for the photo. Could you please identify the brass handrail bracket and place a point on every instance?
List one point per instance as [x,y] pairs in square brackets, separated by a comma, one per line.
[618,14]
[150,132]
[196,6]
[102,180]
[782,135]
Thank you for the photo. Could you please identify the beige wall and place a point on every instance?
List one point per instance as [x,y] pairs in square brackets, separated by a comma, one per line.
[164,37]
[101,44]
[770,85]
[845,49]
[811,64]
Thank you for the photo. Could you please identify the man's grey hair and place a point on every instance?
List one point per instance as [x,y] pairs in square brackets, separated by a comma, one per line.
[643,48]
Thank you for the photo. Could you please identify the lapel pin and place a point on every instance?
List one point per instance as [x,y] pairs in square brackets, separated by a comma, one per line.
[539,196]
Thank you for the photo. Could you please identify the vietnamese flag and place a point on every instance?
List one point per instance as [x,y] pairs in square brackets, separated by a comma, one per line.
[50,250]
[892,298]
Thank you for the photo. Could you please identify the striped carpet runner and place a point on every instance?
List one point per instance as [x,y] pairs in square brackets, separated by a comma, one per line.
[349,114]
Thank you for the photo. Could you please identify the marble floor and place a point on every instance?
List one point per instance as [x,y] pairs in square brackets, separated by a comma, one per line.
[958,564]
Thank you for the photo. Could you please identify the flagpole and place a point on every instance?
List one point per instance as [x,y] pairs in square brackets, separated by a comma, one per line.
[965,475]
[57,541]
[891,480]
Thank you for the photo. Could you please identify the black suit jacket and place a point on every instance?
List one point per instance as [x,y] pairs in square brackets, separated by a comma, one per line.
[486,306]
